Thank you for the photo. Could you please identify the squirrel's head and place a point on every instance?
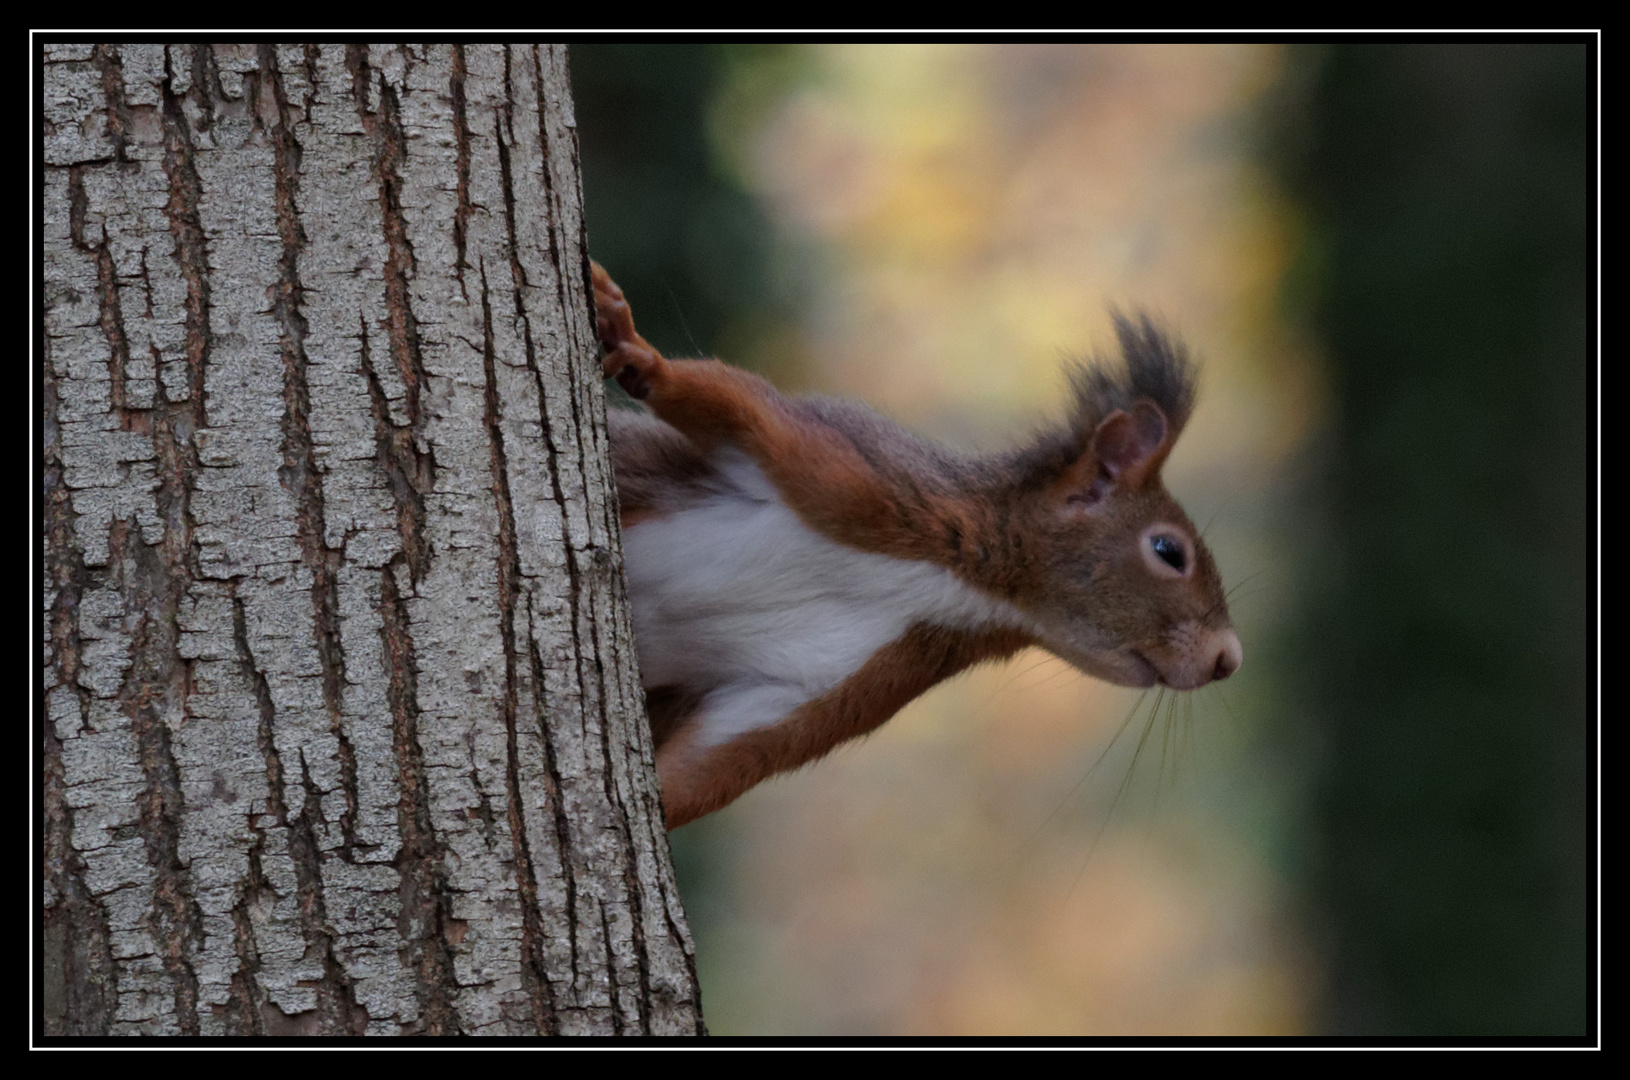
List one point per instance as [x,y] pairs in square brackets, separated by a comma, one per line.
[1113,573]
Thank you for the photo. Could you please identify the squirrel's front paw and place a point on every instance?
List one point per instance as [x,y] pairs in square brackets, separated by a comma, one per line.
[613,319]
[629,358]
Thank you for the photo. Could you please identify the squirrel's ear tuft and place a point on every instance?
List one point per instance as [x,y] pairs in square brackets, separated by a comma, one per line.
[1160,368]
[1154,366]
[1127,414]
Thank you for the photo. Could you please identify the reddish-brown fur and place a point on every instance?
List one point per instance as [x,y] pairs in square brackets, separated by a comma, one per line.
[822,476]
[1018,529]
[699,780]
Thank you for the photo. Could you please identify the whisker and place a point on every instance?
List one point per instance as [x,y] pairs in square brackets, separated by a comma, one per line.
[673,298]
[1040,662]
[1173,730]
[1188,730]
[1120,791]
[1234,594]
[1024,848]
[1186,741]
[1165,750]
[1062,672]
[1226,504]
[1229,596]
[1180,713]
[1229,709]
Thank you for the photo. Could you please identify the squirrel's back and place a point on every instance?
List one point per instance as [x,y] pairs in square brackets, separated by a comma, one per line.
[659,470]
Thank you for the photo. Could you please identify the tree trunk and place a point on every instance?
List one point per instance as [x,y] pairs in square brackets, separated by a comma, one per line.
[343,728]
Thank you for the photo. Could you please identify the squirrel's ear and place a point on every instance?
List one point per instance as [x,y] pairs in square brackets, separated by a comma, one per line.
[1123,451]
[1130,446]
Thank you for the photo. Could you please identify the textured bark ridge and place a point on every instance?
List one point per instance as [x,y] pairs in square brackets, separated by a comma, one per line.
[343,729]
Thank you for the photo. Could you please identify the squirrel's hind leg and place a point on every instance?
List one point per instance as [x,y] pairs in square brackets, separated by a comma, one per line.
[698,779]
[732,739]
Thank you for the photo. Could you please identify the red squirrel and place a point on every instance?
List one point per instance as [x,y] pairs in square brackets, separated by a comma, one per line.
[800,569]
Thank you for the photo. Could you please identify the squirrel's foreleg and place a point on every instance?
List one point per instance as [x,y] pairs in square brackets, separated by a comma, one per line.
[708,401]
[818,471]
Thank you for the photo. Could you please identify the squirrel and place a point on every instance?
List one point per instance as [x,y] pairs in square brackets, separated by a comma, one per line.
[800,569]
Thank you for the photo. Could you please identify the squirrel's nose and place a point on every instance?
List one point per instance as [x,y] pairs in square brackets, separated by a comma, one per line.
[1229,655]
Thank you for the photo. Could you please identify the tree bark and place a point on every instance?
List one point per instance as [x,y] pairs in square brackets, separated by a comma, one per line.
[343,731]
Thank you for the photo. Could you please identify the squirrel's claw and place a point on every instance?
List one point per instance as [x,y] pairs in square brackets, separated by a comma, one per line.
[613,319]
[628,356]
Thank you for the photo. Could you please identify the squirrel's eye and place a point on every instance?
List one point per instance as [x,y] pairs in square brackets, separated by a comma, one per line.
[1169,550]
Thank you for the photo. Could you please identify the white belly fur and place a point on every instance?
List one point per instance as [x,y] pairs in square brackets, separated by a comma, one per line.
[736,597]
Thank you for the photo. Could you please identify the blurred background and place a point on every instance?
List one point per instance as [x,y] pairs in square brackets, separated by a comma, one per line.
[1381,825]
